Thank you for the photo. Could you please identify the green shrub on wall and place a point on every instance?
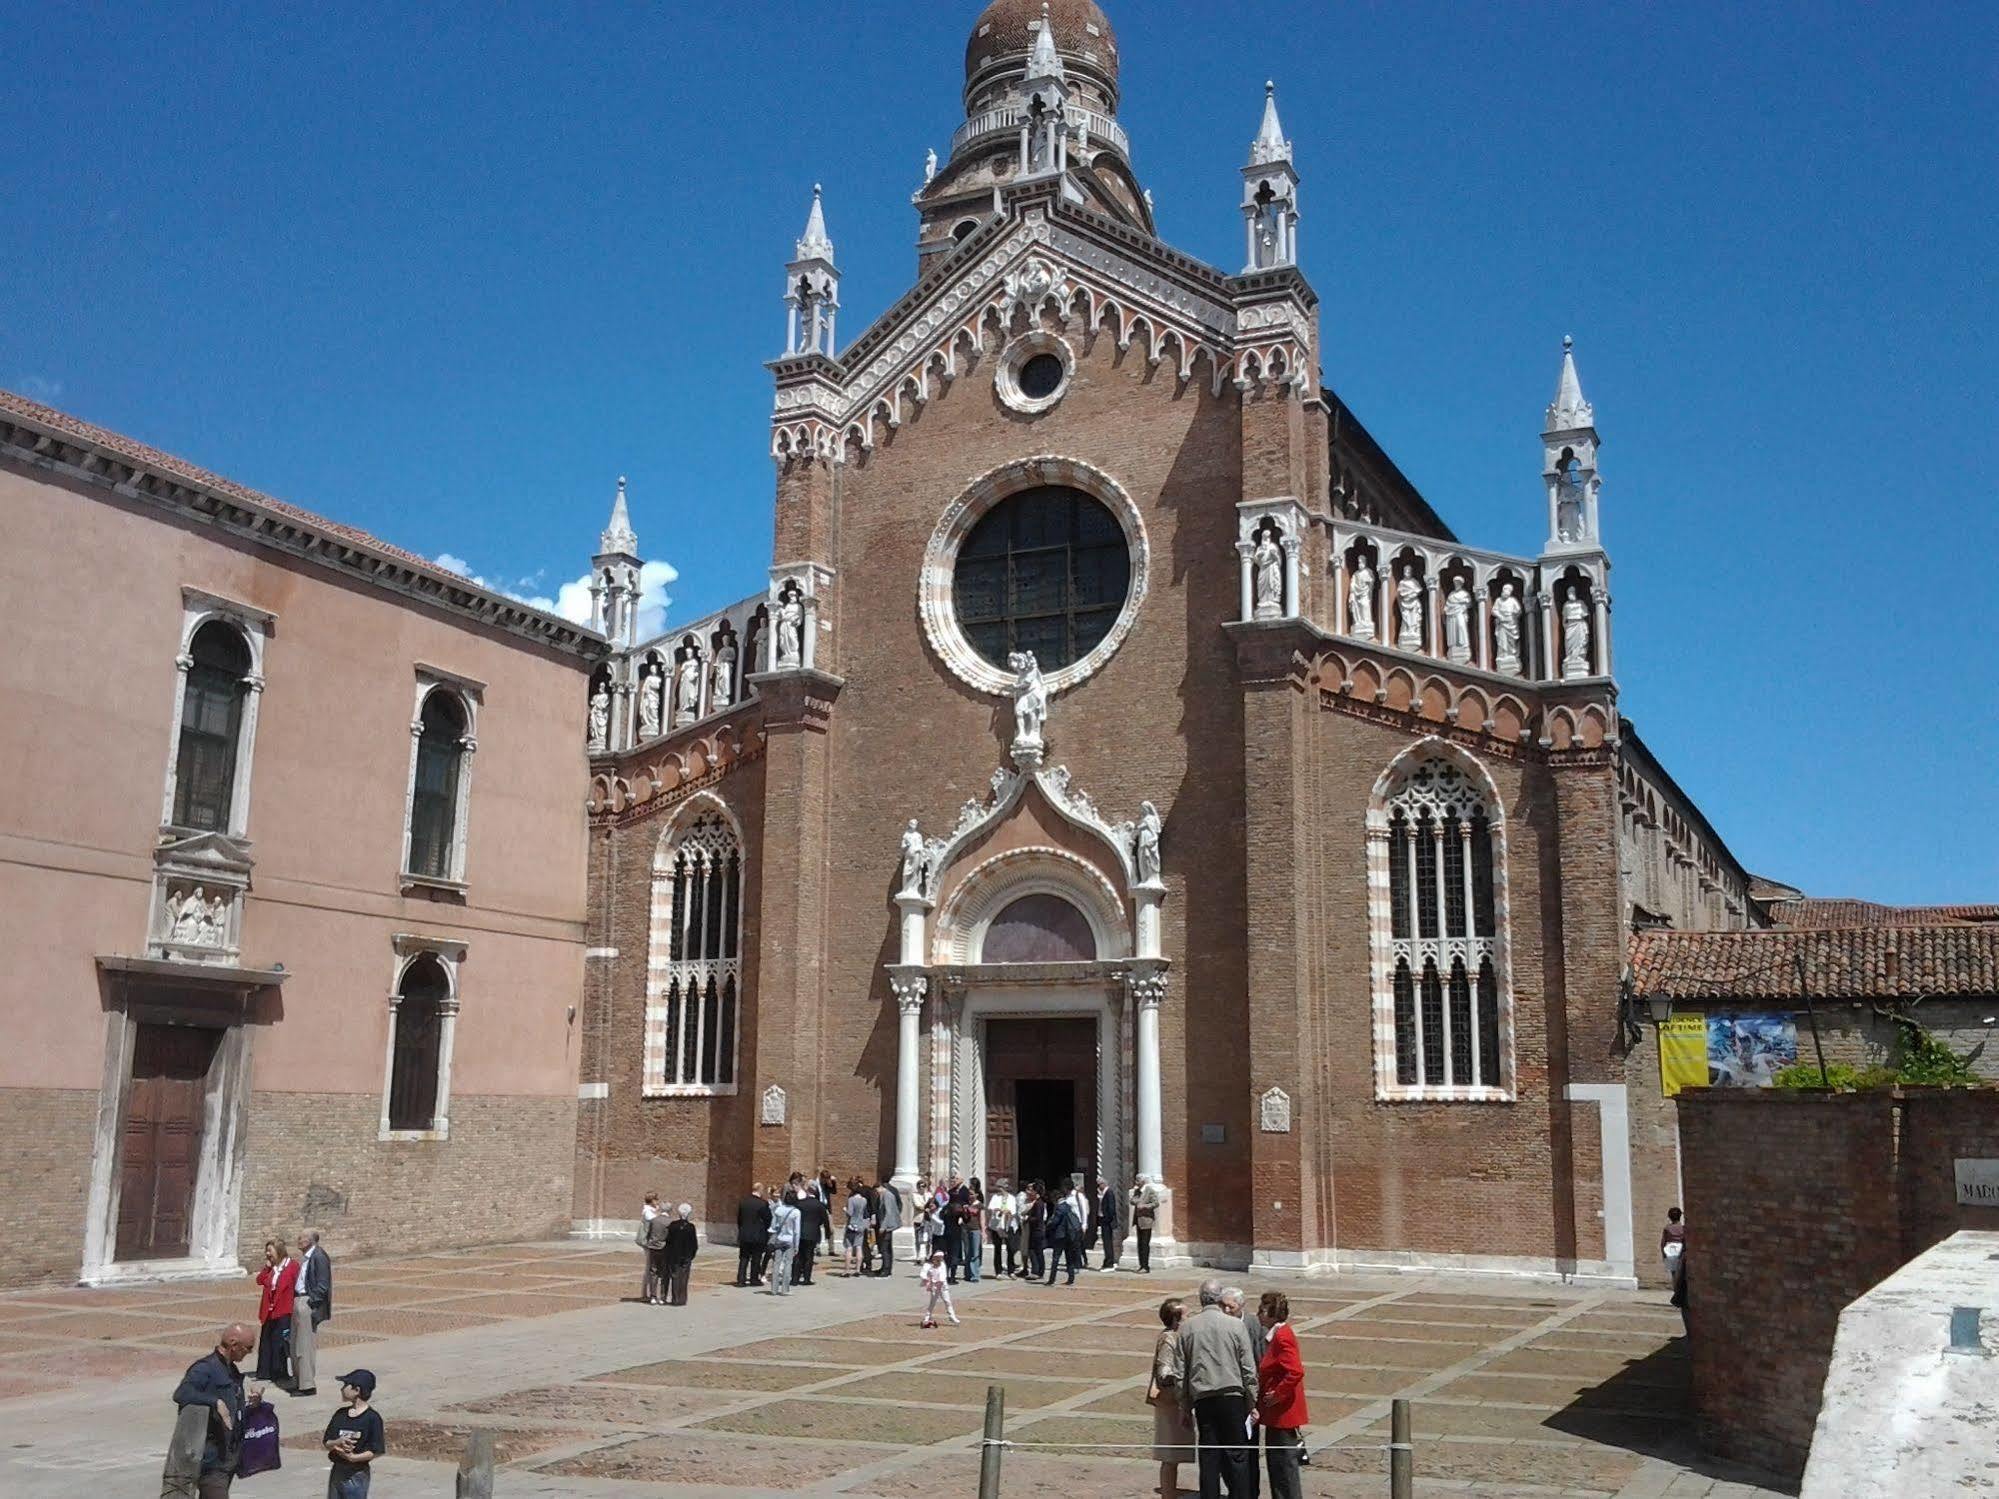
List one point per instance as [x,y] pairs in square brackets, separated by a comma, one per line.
[1921,1060]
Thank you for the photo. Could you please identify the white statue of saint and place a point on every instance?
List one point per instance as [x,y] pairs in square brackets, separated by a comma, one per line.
[914,874]
[1030,703]
[600,718]
[1575,637]
[1457,622]
[650,692]
[213,919]
[1360,602]
[1569,502]
[185,914]
[687,688]
[929,165]
[1267,564]
[1506,611]
[1408,610]
[1145,843]
[790,630]
[722,677]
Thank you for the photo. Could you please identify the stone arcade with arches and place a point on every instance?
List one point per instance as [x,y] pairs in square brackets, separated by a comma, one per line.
[1126,771]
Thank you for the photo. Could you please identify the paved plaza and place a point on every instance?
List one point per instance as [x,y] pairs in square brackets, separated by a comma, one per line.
[1518,1389]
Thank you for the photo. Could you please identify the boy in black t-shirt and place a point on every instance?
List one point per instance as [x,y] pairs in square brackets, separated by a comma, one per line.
[354,1437]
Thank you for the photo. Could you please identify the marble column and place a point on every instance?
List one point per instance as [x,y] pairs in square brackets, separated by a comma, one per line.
[1243,550]
[1294,602]
[1148,991]
[909,989]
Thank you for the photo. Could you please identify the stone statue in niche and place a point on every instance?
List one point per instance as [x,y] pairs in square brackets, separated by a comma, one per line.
[687,689]
[1360,602]
[650,692]
[1569,502]
[722,676]
[1457,622]
[915,861]
[600,718]
[1506,611]
[1575,636]
[1408,609]
[195,918]
[790,630]
[1267,565]
[1145,844]
[1030,704]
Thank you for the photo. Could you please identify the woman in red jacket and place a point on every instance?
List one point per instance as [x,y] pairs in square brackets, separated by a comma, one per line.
[276,1282]
[1280,1396]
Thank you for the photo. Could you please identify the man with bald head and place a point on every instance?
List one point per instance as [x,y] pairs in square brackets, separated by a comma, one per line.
[214,1384]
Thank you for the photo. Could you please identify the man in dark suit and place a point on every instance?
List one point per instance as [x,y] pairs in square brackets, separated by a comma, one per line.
[311,1305]
[1107,1221]
[814,1219]
[752,1236]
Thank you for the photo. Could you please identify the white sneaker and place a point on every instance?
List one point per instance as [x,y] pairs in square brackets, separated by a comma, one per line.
[954,1319]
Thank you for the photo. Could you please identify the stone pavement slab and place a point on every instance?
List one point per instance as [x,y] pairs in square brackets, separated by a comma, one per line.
[1518,1389]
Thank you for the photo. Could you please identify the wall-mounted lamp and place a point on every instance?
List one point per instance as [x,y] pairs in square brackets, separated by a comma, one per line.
[1661,1006]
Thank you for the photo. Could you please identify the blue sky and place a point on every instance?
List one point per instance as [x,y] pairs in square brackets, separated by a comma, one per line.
[446,272]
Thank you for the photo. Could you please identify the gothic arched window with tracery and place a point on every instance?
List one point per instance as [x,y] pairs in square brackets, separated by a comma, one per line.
[694,970]
[1440,949]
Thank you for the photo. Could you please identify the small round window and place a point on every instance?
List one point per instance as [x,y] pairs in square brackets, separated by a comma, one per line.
[1034,372]
[1041,376]
[1046,570]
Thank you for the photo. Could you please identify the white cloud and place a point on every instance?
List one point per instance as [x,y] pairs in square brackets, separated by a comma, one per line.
[38,387]
[571,600]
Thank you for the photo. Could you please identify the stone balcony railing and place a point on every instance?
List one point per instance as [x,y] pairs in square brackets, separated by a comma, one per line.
[1010,117]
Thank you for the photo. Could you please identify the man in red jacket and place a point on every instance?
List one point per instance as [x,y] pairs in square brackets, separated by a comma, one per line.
[1280,1396]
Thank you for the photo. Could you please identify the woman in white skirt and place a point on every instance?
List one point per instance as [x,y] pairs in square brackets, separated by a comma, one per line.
[1170,1446]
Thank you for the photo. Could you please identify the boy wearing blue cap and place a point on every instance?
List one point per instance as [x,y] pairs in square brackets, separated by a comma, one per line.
[354,1438]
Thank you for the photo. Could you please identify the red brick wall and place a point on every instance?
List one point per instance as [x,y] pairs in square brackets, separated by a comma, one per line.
[1796,1204]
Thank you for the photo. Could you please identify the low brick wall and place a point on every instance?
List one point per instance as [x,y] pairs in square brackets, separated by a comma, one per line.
[1797,1204]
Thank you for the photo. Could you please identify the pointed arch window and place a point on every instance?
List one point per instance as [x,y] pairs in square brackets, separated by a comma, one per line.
[694,964]
[1443,1028]
[423,1019]
[214,703]
[435,819]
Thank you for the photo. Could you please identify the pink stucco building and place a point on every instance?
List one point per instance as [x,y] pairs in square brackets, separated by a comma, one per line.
[291,877]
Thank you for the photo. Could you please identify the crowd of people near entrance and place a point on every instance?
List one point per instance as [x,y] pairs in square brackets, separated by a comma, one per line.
[784,1233]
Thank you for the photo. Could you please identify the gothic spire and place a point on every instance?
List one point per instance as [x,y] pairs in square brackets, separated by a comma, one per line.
[1270,144]
[814,244]
[618,538]
[1042,59]
[1569,412]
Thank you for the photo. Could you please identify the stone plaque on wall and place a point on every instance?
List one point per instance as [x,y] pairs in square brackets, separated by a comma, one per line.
[1276,1116]
[1977,1183]
[773,1109]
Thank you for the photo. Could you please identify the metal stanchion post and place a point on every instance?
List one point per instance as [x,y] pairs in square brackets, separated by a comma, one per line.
[1401,1460]
[989,1453]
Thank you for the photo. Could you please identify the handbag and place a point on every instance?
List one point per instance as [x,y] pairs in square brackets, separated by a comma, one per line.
[259,1450]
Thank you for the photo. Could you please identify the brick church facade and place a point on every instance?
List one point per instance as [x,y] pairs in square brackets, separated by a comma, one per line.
[1308,899]
[1122,770]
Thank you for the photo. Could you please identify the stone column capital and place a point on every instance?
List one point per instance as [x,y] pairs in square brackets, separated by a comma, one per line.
[909,989]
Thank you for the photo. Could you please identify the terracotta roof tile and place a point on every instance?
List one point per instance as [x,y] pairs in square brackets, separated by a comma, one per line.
[1806,912]
[1933,961]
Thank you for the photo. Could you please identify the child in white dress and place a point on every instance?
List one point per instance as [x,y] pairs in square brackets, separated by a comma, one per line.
[937,1283]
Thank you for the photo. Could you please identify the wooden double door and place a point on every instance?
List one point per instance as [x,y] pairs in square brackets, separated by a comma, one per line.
[1041,1100]
[160,1160]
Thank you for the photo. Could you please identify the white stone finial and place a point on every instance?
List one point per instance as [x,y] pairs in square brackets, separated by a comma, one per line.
[1042,61]
[1270,144]
[1569,411]
[618,535]
[814,244]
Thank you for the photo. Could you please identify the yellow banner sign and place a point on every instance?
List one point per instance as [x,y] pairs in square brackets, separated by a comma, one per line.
[1682,1053]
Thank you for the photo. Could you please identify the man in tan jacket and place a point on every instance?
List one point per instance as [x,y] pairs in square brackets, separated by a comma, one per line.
[1218,1391]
